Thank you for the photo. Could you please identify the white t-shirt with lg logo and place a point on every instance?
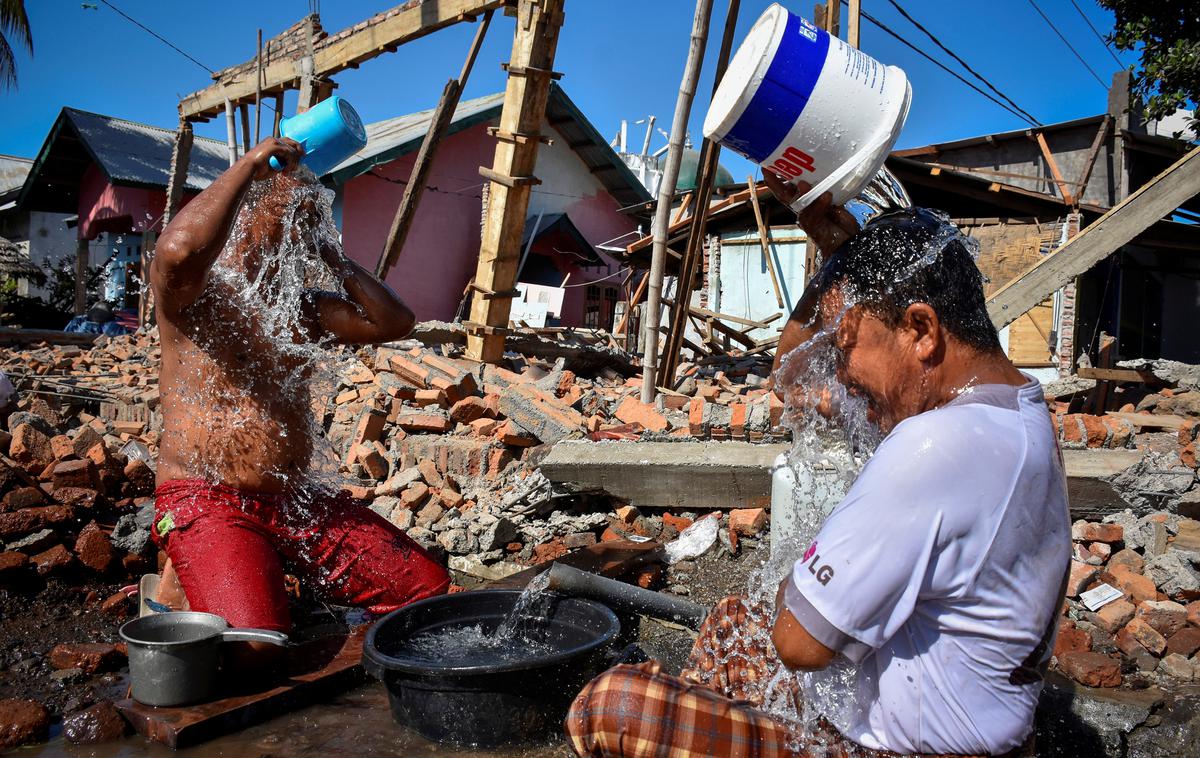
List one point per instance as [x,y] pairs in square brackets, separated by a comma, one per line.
[941,575]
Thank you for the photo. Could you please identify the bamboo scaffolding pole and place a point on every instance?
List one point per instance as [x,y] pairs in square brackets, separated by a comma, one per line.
[666,192]
[258,65]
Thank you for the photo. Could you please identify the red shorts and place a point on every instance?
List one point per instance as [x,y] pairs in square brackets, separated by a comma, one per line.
[229,547]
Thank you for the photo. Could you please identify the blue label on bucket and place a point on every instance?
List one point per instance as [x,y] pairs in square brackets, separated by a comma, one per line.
[781,97]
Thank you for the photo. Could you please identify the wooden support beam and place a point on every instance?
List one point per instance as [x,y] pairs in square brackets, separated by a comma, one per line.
[1093,153]
[1117,375]
[1156,199]
[415,189]
[258,64]
[1067,196]
[278,114]
[709,155]
[383,34]
[1107,357]
[244,111]
[854,22]
[181,156]
[764,239]
[534,45]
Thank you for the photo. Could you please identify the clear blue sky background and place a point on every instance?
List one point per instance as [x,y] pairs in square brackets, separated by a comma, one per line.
[621,59]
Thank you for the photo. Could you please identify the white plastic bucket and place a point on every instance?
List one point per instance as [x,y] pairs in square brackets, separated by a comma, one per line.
[808,106]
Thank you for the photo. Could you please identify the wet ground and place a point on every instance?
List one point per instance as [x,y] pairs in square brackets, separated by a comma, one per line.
[360,723]
[33,622]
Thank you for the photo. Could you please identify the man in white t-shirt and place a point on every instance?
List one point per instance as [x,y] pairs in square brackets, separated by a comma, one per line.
[938,577]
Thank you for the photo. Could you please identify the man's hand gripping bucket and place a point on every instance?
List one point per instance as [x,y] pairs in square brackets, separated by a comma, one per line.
[330,132]
[808,107]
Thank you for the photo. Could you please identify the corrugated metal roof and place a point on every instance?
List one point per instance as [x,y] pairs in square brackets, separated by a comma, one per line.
[140,154]
[393,137]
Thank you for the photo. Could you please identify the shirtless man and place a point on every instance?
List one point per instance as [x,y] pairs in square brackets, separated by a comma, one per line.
[235,498]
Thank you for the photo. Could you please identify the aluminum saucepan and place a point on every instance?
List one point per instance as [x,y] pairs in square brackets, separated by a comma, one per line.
[175,658]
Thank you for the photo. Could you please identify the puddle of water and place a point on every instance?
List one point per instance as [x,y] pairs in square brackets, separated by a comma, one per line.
[352,724]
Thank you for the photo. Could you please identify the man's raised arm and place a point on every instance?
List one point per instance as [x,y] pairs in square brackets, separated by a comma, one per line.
[371,313]
[195,237]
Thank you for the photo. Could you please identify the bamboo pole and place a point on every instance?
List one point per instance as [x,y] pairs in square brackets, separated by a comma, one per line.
[230,133]
[278,114]
[709,155]
[666,193]
[764,239]
[258,65]
[244,109]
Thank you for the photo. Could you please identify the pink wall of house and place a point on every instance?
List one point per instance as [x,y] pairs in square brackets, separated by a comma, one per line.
[443,246]
[106,207]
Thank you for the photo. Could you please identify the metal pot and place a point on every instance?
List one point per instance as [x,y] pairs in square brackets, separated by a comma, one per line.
[174,658]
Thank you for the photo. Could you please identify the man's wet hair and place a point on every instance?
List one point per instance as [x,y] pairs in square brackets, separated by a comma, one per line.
[914,256]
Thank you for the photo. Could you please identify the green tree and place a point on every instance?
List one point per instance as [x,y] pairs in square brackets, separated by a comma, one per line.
[1167,34]
[14,29]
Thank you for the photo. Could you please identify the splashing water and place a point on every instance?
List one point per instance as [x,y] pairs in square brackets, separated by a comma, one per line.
[471,645]
[532,606]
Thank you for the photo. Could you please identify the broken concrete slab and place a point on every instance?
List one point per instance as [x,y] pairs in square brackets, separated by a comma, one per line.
[689,475]
[736,474]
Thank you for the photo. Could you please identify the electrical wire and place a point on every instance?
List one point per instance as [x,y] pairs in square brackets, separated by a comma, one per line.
[156,35]
[945,68]
[961,62]
[1069,45]
[1099,36]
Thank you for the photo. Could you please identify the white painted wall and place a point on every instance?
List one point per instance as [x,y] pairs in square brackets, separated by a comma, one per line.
[743,287]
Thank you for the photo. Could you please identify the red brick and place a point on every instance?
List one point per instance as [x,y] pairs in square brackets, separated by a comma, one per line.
[633,411]
[677,522]
[1088,531]
[94,549]
[470,409]
[451,499]
[22,722]
[372,462]
[430,473]
[510,434]
[1072,428]
[579,539]
[1184,642]
[53,560]
[414,496]
[627,514]
[1091,669]
[549,551]
[29,520]
[737,420]
[1165,616]
[1136,587]
[1115,615]
[1080,576]
[484,427]
[423,398]
[650,577]
[1193,613]
[1120,431]
[424,422]
[369,427]
[1146,636]
[1187,455]
[91,658]
[1094,428]
[696,423]
[1071,640]
[61,446]
[30,448]
[117,604]
[408,370]
[747,521]
[12,565]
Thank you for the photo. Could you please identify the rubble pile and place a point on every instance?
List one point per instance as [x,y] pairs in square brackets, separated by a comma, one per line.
[76,491]
[447,448]
[1132,612]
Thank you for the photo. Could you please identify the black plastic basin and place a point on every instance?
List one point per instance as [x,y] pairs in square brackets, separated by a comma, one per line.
[489,704]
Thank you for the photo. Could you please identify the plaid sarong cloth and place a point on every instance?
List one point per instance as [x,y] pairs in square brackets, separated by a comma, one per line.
[718,706]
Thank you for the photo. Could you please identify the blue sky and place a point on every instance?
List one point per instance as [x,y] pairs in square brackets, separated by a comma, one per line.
[621,59]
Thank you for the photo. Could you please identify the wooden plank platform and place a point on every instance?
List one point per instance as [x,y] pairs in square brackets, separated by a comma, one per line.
[317,669]
[322,668]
